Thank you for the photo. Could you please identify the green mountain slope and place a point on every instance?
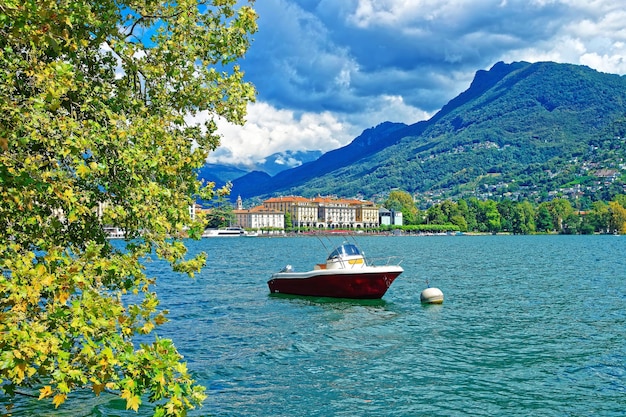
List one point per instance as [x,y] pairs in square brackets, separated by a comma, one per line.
[521,129]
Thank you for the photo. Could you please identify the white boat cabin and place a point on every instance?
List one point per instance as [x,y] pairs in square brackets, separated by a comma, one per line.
[343,257]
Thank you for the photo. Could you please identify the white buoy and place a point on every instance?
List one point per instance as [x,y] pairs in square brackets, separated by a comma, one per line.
[431,296]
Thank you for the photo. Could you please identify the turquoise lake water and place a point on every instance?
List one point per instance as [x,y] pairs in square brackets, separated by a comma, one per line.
[530,326]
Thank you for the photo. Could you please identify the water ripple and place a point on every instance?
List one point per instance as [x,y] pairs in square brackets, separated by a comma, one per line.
[529,326]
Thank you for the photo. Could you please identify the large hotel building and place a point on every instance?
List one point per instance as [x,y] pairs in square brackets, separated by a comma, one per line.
[319,212]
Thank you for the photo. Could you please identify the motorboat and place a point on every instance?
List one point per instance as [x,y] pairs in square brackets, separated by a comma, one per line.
[345,274]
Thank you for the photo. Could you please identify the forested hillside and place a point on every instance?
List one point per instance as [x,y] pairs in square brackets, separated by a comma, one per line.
[521,131]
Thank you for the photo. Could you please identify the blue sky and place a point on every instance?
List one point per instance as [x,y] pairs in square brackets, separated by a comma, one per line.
[325,70]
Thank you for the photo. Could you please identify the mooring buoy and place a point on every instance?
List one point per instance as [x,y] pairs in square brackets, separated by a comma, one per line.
[431,296]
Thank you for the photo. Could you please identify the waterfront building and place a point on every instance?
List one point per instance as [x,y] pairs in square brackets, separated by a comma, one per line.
[333,213]
[390,217]
[367,215]
[326,212]
[302,210]
[259,218]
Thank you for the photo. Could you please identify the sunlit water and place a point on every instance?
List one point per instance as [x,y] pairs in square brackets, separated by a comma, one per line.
[530,325]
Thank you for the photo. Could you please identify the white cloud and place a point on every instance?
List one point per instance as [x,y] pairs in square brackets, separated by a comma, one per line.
[269,130]
[390,108]
[394,13]
[597,38]
[605,63]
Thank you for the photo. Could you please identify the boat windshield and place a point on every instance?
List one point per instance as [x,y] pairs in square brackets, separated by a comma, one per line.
[345,250]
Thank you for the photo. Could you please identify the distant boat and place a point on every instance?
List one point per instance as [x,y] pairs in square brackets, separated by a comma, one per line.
[346,274]
[114,232]
[224,232]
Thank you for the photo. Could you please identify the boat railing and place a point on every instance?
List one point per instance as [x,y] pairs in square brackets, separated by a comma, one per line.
[385,261]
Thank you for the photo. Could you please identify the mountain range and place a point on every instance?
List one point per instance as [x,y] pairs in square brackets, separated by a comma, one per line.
[525,129]
[271,165]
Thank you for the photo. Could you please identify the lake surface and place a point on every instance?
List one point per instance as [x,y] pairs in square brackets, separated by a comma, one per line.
[530,325]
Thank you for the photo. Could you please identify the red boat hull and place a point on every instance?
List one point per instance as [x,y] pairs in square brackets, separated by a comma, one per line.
[366,285]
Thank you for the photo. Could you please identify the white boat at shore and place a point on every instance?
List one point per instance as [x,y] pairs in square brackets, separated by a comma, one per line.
[224,232]
[114,232]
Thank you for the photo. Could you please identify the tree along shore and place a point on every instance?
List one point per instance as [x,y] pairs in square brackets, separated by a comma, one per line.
[507,216]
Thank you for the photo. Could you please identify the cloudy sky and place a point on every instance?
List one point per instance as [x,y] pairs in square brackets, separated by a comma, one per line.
[325,70]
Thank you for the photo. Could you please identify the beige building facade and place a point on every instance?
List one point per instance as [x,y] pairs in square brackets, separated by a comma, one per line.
[326,212]
[259,218]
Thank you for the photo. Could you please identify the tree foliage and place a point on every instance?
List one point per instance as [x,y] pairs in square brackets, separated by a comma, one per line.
[220,215]
[617,221]
[522,217]
[399,200]
[94,98]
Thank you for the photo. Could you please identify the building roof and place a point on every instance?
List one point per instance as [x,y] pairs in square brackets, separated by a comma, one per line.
[319,200]
[287,199]
[259,210]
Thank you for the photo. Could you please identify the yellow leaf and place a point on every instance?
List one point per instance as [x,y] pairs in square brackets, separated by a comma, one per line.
[45,392]
[126,394]
[82,170]
[160,319]
[181,367]
[133,403]
[147,327]
[171,408]
[68,193]
[40,269]
[130,384]
[46,280]
[58,400]
[63,296]
[19,371]
[160,378]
